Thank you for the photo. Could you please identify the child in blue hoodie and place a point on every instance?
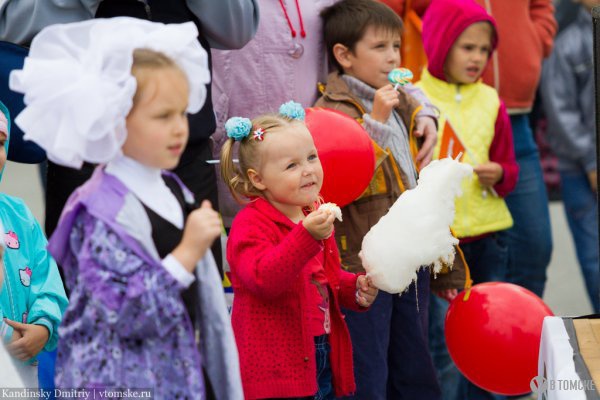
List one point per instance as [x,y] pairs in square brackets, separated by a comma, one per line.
[32,299]
[10,376]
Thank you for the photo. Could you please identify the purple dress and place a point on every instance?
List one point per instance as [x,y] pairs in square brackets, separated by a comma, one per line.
[126,325]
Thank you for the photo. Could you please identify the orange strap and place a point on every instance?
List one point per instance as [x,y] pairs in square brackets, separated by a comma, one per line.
[468,281]
[412,140]
[396,171]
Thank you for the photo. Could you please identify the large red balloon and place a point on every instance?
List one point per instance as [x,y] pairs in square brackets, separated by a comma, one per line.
[494,336]
[346,154]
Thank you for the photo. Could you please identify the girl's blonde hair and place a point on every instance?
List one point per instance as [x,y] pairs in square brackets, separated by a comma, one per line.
[145,60]
[236,177]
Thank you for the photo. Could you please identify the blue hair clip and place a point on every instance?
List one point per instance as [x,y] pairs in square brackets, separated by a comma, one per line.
[238,128]
[292,110]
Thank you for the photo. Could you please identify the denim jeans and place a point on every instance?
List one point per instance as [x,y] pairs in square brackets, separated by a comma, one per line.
[581,209]
[46,360]
[391,353]
[447,373]
[530,239]
[487,259]
[324,375]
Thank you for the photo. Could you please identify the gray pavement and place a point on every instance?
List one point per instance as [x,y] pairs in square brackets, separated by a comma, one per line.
[565,293]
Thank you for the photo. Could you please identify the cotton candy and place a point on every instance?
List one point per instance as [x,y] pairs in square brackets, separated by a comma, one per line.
[416,230]
[332,208]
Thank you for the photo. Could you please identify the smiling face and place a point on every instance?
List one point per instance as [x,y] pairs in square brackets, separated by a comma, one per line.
[157,125]
[373,56]
[469,55]
[289,174]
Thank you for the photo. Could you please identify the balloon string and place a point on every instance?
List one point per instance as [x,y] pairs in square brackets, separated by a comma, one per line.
[416,290]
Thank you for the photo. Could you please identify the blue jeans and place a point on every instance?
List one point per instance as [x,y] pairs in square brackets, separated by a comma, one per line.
[324,375]
[46,371]
[487,259]
[530,239]
[391,354]
[581,209]
[447,373]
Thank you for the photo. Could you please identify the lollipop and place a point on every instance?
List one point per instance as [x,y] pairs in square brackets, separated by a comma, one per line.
[400,77]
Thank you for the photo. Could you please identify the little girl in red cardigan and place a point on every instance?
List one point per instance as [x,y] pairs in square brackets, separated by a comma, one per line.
[285,267]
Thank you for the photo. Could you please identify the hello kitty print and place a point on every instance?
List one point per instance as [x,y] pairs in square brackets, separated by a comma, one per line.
[12,240]
[25,275]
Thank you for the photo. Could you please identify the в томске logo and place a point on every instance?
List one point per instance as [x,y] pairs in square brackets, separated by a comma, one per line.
[538,384]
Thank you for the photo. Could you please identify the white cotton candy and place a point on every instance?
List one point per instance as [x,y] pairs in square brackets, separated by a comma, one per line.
[332,208]
[416,230]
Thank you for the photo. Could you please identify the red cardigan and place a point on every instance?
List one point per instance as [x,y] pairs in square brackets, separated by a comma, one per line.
[267,253]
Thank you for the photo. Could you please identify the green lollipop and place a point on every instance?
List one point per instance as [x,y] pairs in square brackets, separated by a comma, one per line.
[400,76]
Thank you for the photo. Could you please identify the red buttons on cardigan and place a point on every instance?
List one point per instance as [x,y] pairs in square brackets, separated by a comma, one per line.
[305,359]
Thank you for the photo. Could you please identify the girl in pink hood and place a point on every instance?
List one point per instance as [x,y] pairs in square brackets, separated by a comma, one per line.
[459,37]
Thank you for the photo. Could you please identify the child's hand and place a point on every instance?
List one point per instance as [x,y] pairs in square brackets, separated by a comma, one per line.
[489,173]
[426,129]
[32,341]
[365,291]
[202,227]
[16,334]
[447,294]
[386,98]
[319,224]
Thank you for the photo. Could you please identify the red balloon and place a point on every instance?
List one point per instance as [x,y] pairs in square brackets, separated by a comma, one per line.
[346,153]
[494,336]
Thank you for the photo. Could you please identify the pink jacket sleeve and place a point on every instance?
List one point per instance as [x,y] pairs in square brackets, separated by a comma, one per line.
[502,151]
[348,291]
[265,266]
[347,282]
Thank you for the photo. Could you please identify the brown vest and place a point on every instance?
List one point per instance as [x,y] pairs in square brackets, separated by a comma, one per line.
[388,181]
[387,184]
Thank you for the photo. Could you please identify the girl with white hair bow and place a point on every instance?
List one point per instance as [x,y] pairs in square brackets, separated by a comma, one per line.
[130,240]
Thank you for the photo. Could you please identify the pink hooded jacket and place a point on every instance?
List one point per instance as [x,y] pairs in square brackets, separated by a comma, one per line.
[443,23]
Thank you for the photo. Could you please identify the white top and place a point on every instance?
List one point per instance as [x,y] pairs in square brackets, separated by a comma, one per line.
[147,185]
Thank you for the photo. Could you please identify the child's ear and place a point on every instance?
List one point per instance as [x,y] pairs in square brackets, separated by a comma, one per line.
[256,179]
[342,55]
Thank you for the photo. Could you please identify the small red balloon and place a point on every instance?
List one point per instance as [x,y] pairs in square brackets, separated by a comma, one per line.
[345,151]
[494,336]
